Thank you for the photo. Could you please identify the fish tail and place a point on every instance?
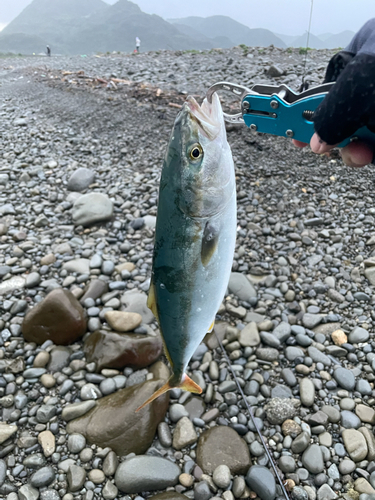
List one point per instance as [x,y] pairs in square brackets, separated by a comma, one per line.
[187,384]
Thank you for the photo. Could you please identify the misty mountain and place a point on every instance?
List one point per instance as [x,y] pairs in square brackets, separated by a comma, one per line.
[89,26]
[218,26]
[314,42]
[340,40]
[219,41]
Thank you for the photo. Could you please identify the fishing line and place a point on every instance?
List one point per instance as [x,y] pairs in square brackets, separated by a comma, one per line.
[304,85]
[269,456]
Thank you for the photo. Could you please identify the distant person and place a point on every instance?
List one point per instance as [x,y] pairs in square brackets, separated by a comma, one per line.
[137,44]
[48,51]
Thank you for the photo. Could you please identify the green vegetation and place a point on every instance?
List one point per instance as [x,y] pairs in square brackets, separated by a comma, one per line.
[303,50]
[289,50]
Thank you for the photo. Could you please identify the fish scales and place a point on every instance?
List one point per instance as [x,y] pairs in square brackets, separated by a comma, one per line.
[194,235]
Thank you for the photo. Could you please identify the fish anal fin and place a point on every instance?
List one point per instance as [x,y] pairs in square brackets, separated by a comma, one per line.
[151,301]
[211,327]
[165,388]
[187,384]
[209,241]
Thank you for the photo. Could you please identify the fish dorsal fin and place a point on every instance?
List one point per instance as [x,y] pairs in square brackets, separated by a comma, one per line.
[209,241]
[151,301]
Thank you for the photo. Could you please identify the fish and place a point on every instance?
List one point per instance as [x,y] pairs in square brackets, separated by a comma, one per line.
[195,235]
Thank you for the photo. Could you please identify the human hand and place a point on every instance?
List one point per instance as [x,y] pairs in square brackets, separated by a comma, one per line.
[355,154]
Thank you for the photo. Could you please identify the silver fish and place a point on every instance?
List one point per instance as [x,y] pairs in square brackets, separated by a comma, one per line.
[194,237]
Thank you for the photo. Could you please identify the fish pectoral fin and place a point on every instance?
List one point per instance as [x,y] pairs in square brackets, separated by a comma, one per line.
[211,327]
[209,241]
[187,384]
[151,300]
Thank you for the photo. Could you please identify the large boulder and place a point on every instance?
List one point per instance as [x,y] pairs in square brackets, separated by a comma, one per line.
[117,350]
[59,317]
[128,432]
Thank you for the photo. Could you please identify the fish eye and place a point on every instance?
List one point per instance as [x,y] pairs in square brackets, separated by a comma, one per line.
[196,152]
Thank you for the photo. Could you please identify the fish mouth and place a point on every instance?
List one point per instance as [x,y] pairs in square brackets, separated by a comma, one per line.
[209,116]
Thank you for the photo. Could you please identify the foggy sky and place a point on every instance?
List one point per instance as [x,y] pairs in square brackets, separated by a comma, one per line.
[289,17]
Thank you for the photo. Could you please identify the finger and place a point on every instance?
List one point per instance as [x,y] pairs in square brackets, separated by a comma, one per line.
[357,154]
[299,144]
[318,146]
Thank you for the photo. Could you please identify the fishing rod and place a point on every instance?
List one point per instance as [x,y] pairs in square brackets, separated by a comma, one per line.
[268,453]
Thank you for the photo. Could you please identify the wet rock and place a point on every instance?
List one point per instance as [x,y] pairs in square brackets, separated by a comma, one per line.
[59,317]
[76,477]
[115,350]
[355,444]
[129,432]
[222,446]
[262,481]
[312,459]
[240,286]
[146,473]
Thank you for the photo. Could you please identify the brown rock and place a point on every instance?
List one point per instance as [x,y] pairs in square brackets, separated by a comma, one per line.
[59,317]
[160,370]
[48,259]
[223,446]
[168,495]
[365,413]
[47,441]
[291,428]
[339,337]
[125,266]
[116,350]
[129,432]
[123,321]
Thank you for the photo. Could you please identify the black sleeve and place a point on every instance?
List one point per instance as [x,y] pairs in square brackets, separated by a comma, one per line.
[351,102]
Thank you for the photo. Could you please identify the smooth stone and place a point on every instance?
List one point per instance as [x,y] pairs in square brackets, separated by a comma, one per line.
[116,350]
[42,477]
[110,463]
[262,482]
[310,321]
[146,473]
[307,391]
[76,410]
[129,432]
[91,208]
[350,420]
[135,301]
[355,444]
[222,476]
[345,378]
[76,477]
[110,491]
[81,179]
[325,492]
[282,331]
[94,290]
[222,446]
[249,336]
[240,286]
[3,471]
[59,358]
[11,285]
[312,459]
[122,321]
[318,356]
[76,443]
[370,441]
[79,266]
[47,441]
[6,431]
[184,434]
[177,411]
[28,492]
[59,317]
[358,335]
[301,442]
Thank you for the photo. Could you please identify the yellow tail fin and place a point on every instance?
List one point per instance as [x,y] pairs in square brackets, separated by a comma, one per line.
[186,384]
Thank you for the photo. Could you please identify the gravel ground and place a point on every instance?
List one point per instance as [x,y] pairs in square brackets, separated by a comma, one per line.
[82,142]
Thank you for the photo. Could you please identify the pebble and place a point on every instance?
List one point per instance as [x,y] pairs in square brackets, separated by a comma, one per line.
[262,481]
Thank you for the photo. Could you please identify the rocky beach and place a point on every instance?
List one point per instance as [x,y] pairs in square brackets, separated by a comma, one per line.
[82,140]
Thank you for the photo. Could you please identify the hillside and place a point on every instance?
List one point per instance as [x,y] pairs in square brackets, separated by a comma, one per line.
[215,26]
